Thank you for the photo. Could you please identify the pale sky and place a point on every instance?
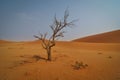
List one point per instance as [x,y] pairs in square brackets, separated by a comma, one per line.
[21,19]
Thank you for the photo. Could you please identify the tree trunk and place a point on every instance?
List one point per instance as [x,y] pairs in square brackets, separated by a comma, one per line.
[49,54]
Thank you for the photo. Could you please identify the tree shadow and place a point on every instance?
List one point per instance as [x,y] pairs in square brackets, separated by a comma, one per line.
[37,58]
[27,59]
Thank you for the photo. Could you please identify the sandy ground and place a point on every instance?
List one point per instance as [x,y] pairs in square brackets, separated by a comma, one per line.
[17,62]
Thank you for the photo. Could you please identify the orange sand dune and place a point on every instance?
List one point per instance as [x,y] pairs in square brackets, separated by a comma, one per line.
[4,41]
[108,37]
[33,42]
[17,62]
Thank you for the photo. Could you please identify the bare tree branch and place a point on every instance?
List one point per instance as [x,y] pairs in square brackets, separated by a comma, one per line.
[57,31]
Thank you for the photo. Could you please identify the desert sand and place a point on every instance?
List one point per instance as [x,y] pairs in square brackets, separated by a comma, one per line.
[17,61]
[106,37]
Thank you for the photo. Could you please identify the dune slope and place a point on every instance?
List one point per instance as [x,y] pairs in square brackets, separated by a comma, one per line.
[108,37]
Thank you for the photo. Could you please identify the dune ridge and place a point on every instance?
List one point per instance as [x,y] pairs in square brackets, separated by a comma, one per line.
[107,37]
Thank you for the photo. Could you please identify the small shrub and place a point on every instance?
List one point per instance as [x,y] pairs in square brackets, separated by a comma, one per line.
[79,65]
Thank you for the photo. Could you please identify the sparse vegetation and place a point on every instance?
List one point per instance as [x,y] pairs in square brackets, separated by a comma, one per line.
[79,65]
[57,32]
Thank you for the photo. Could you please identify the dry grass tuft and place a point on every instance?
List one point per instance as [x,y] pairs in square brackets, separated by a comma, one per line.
[79,65]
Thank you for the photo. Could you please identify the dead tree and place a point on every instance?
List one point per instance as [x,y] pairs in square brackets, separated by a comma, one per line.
[57,31]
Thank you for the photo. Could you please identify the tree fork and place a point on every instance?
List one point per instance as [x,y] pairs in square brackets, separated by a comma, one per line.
[56,27]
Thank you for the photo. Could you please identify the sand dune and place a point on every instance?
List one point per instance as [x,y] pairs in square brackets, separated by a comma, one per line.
[108,37]
[18,62]
[4,41]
